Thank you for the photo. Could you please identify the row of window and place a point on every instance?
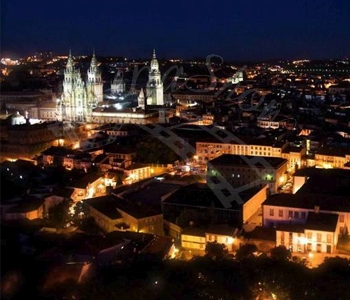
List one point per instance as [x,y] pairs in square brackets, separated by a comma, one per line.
[238,147]
[297,214]
[309,236]
[291,214]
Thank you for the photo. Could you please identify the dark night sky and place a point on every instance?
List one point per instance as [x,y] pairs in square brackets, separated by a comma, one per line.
[235,30]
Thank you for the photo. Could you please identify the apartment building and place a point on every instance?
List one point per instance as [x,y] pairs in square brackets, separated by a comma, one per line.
[210,148]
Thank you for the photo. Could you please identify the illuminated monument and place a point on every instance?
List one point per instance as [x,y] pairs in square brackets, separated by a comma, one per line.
[79,98]
[84,101]
[154,89]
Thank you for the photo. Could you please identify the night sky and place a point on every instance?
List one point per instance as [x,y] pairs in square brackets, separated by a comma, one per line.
[235,30]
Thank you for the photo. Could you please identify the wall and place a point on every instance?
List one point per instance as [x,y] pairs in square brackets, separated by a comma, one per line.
[102,220]
[307,241]
[193,242]
[254,203]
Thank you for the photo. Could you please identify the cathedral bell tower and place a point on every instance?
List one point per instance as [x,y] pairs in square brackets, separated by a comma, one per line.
[154,88]
[94,83]
[141,100]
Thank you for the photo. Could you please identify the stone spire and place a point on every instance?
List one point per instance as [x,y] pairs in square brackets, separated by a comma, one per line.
[154,62]
[141,99]
[93,60]
[70,60]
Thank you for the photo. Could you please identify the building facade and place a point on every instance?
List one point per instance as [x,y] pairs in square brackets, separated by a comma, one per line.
[240,171]
[79,97]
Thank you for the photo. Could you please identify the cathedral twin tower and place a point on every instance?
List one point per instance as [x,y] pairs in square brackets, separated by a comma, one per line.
[80,98]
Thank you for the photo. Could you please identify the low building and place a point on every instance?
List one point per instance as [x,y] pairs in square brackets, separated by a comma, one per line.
[249,171]
[318,234]
[26,141]
[209,148]
[30,208]
[332,157]
[88,186]
[131,208]
[136,172]
[112,213]
[201,198]
[197,238]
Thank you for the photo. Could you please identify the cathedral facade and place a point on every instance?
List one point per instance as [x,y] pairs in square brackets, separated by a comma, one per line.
[80,97]
[81,101]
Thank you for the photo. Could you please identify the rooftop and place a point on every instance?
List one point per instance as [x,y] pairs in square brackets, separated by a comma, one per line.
[159,246]
[312,172]
[239,160]
[325,182]
[298,228]
[201,195]
[321,221]
[309,201]
[290,149]
[59,151]
[195,231]
[83,182]
[135,166]
[262,233]
[333,151]
[138,210]
[26,206]
[63,192]
[107,205]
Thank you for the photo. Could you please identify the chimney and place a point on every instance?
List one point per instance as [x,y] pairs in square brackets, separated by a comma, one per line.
[317,209]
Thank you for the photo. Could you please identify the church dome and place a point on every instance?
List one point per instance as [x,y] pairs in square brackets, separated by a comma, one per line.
[17,119]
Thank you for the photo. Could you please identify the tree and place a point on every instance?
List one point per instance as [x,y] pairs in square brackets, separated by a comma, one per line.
[215,250]
[344,241]
[246,251]
[58,215]
[150,149]
[280,253]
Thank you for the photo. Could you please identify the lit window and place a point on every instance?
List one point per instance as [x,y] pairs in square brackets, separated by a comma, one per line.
[319,237]
[309,235]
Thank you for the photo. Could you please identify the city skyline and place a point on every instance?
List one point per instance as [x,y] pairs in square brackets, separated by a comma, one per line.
[244,31]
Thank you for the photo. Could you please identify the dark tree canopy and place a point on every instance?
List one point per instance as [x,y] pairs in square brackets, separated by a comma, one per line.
[215,250]
[246,251]
[281,253]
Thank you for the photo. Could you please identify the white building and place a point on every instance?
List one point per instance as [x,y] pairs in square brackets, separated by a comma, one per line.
[319,234]
[307,222]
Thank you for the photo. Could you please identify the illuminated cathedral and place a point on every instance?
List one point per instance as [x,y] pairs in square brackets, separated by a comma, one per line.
[81,99]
